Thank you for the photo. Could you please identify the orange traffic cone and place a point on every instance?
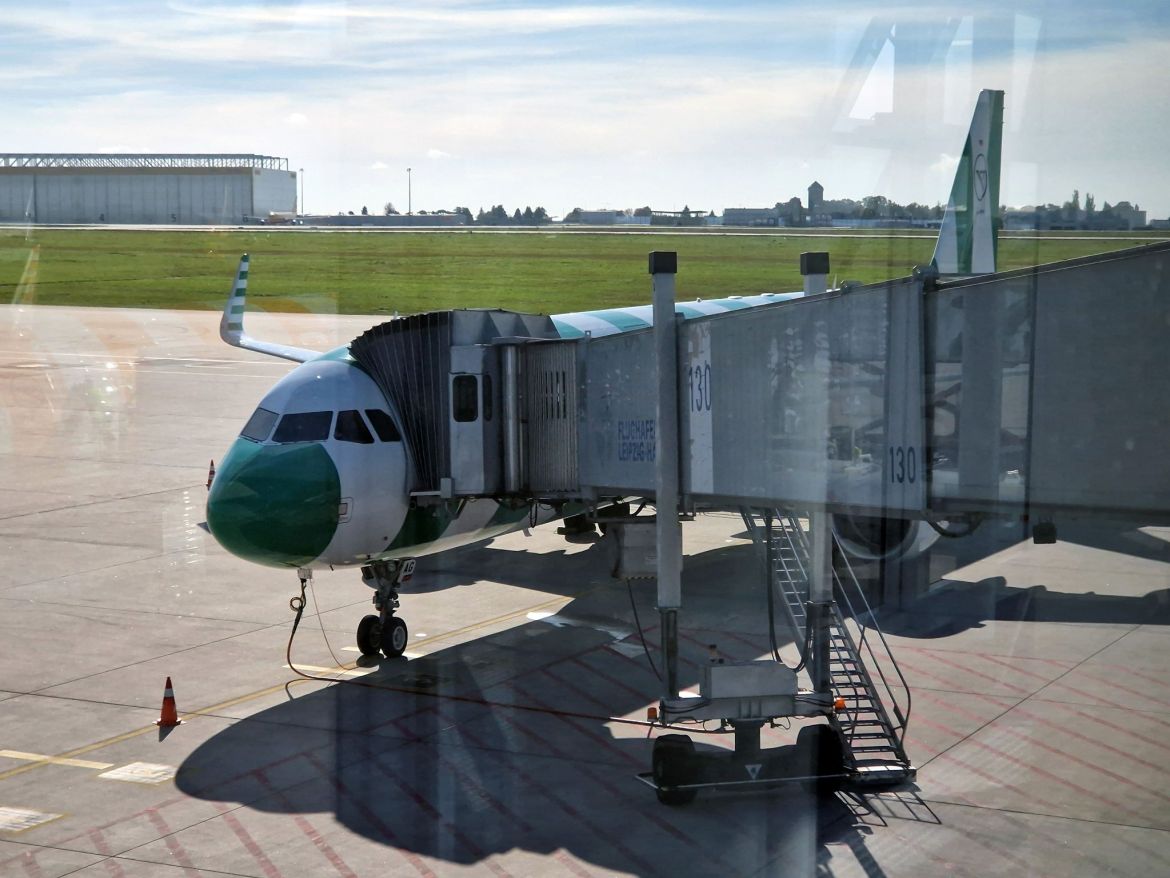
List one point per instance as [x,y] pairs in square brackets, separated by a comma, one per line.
[170,714]
[211,475]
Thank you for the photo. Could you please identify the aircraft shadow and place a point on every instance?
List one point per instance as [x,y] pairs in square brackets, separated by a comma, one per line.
[503,744]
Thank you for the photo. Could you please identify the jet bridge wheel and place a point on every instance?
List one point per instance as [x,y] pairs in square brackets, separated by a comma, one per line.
[670,765]
[394,636]
[369,635]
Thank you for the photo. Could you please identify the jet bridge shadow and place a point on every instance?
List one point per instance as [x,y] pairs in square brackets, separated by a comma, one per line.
[503,744]
[1119,595]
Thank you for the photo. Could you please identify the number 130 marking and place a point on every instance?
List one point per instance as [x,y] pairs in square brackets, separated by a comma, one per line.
[903,464]
[699,379]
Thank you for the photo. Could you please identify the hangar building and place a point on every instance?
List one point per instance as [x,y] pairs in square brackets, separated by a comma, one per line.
[143,188]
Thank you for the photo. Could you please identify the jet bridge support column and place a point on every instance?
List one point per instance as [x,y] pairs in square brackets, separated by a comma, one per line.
[663,266]
[820,596]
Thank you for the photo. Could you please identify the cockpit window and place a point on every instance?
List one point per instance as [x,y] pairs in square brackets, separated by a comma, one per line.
[304,427]
[259,426]
[351,428]
[383,425]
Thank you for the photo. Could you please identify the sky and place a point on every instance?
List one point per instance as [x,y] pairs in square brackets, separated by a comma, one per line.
[598,104]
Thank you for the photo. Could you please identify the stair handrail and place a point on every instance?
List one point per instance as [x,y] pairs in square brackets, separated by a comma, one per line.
[902,717]
[753,528]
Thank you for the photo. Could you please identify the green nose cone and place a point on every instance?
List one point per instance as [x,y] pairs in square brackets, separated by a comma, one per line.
[275,504]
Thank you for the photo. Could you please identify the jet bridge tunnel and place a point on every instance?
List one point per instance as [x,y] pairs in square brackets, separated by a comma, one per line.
[1037,392]
[1032,393]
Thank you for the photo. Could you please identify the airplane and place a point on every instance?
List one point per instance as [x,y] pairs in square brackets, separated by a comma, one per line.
[321,475]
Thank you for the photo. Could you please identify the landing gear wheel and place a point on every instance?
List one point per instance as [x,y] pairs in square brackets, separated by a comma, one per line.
[394,636]
[669,763]
[369,635]
[822,746]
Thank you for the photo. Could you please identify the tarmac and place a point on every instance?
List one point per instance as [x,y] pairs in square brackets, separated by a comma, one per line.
[509,738]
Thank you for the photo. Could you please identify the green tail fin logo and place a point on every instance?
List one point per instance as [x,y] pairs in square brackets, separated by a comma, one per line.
[967,240]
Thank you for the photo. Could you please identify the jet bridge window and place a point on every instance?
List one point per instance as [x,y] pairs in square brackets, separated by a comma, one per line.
[351,428]
[383,425]
[304,427]
[259,426]
[464,398]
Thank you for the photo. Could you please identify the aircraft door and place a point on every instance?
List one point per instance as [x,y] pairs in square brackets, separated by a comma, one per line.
[474,421]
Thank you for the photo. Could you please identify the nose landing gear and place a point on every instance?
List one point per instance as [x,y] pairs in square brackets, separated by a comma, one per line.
[386,632]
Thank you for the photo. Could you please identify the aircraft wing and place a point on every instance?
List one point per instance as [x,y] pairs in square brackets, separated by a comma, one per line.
[231,325]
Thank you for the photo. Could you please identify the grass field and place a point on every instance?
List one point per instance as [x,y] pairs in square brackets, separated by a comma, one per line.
[384,272]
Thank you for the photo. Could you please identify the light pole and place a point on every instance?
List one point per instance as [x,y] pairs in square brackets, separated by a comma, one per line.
[301,178]
[408,210]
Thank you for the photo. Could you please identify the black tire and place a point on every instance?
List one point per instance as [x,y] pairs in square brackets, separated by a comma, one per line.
[670,766]
[369,635]
[395,637]
[822,749]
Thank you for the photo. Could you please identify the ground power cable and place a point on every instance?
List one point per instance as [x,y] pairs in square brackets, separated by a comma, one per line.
[297,604]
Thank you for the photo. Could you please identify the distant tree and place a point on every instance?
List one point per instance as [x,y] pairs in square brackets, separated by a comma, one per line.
[573,216]
[528,220]
[465,213]
[365,210]
[540,215]
[351,213]
[1090,203]
[499,216]
[388,209]
[481,216]
[644,211]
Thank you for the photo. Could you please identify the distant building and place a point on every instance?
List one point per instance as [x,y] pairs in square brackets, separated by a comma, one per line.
[1129,214]
[144,188]
[816,197]
[751,216]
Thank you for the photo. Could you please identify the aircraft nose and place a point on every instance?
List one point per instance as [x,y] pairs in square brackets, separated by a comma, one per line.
[275,504]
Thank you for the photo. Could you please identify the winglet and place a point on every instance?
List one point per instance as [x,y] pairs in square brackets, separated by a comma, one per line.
[967,240]
[231,325]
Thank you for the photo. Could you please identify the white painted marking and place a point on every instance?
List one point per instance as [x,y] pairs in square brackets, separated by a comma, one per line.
[54,760]
[19,819]
[141,772]
[631,650]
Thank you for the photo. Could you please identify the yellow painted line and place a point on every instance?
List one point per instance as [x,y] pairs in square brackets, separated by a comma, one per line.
[559,601]
[345,672]
[55,760]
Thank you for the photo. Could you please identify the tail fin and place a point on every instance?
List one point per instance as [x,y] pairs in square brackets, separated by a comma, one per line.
[967,239]
[231,325]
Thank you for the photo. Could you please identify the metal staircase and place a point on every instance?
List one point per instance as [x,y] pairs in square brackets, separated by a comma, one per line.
[872,739]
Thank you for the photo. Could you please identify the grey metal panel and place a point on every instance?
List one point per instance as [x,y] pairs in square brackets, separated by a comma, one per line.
[618,423]
[1101,394]
[797,397]
[551,409]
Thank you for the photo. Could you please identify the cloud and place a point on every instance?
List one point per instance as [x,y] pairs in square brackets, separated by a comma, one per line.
[297,120]
[379,166]
[437,154]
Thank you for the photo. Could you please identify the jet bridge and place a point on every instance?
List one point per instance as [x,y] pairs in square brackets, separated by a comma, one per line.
[1036,392]
[1033,393]
[1039,392]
